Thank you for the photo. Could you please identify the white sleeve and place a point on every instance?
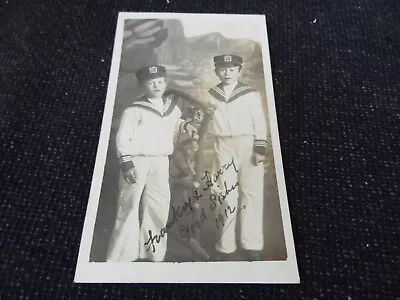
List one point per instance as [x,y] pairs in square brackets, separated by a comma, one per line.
[179,129]
[259,122]
[129,122]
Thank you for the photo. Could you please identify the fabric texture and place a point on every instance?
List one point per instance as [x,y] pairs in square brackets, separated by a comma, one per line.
[245,196]
[337,85]
[131,238]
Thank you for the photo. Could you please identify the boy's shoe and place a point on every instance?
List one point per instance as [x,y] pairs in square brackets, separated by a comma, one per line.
[142,260]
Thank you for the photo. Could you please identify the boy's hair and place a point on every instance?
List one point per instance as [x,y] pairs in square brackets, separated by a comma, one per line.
[219,67]
[141,82]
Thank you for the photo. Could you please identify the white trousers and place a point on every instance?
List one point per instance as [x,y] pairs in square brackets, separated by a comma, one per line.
[131,240]
[246,201]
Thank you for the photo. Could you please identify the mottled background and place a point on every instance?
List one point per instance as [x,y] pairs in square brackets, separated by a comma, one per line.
[337,84]
[190,68]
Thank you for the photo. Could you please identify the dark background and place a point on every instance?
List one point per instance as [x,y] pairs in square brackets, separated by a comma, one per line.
[337,87]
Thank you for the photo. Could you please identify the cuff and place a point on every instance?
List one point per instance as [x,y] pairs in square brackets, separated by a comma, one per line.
[126,162]
[260,146]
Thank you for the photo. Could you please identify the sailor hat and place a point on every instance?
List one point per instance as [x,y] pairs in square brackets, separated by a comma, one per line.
[227,60]
[151,72]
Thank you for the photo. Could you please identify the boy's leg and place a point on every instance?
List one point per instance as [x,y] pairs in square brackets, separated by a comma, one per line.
[225,167]
[156,202]
[251,186]
[124,243]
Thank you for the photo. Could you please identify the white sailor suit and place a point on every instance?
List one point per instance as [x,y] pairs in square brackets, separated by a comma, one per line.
[145,137]
[240,128]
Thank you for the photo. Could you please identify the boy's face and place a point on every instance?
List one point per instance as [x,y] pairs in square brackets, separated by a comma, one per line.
[154,88]
[228,75]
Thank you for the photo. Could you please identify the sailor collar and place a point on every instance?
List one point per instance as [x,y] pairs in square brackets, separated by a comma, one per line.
[168,105]
[240,89]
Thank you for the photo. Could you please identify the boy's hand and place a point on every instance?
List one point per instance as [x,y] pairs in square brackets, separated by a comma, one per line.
[130,175]
[258,158]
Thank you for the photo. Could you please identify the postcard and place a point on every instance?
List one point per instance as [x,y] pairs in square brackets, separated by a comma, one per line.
[188,184]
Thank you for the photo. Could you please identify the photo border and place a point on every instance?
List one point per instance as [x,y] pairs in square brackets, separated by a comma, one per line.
[184,272]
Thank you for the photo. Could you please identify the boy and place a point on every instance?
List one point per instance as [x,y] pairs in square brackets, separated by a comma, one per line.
[239,127]
[144,141]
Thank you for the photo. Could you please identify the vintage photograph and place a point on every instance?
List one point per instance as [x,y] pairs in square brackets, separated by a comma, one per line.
[188,173]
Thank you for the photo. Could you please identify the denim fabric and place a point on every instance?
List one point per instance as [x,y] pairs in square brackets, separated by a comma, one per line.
[336,68]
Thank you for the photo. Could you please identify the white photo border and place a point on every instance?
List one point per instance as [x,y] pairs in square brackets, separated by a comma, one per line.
[187,272]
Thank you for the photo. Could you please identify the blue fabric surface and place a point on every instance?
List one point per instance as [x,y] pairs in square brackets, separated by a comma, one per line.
[337,84]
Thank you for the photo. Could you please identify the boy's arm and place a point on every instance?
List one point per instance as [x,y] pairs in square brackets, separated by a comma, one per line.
[180,126]
[259,124]
[178,130]
[129,121]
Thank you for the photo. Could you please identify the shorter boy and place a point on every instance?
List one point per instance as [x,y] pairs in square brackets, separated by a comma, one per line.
[144,141]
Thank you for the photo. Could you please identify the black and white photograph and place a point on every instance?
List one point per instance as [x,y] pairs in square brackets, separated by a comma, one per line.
[188,184]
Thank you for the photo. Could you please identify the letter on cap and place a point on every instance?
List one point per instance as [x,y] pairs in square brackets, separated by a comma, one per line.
[227,58]
[153,70]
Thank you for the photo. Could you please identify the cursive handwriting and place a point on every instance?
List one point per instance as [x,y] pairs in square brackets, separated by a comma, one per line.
[219,199]
[222,217]
[210,178]
[186,231]
[154,239]
[177,213]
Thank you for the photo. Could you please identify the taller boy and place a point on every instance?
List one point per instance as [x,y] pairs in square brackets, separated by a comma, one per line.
[240,129]
[144,141]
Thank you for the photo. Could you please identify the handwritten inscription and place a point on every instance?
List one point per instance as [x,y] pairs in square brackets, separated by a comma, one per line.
[219,199]
[222,218]
[211,179]
[187,231]
[177,213]
[153,239]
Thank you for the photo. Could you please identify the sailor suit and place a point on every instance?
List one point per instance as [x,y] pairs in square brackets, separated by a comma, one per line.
[145,139]
[240,128]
